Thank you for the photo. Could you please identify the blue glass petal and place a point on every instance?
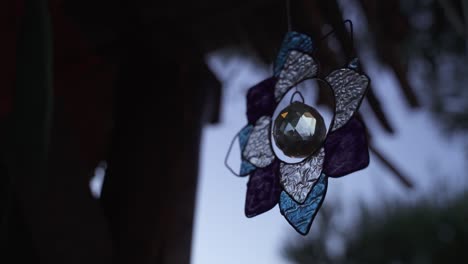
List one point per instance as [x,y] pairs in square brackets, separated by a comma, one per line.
[301,216]
[292,41]
[246,168]
[354,64]
[244,136]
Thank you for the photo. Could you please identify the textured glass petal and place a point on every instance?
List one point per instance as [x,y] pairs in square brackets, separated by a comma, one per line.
[258,150]
[244,135]
[298,179]
[349,88]
[292,41]
[346,149]
[298,66]
[246,168]
[301,216]
[261,100]
[263,190]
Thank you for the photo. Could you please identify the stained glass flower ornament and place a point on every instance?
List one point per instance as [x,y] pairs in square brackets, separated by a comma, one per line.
[299,131]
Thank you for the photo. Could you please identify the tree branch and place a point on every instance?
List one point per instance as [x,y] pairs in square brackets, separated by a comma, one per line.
[402,178]
[452,16]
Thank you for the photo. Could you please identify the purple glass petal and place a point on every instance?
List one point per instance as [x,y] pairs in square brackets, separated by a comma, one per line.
[263,190]
[261,100]
[346,149]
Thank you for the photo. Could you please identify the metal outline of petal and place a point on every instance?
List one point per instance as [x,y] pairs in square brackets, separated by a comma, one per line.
[298,67]
[246,167]
[258,150]
[298,179]
[349,88]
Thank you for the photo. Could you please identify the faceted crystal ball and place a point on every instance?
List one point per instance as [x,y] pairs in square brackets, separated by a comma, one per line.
[299,130]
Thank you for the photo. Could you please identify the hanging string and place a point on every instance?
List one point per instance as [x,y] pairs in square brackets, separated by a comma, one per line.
[226,158]
[351,32]
[288,14]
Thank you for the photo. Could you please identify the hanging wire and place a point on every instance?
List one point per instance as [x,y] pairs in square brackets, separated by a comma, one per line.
[351,32]
[288,14]
[229,153]
[298,93]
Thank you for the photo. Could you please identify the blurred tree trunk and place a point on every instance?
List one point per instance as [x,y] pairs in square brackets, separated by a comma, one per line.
[149,192]
[139,106]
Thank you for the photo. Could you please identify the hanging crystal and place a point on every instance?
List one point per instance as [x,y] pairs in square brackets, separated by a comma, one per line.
[299,130]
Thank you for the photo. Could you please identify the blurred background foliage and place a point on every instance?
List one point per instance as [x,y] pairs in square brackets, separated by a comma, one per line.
[431,46]
[437,45]
[429,230]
